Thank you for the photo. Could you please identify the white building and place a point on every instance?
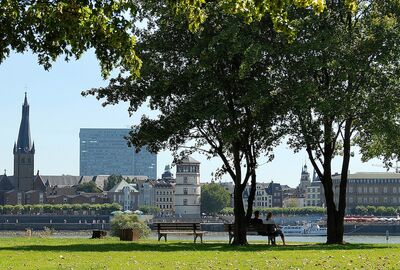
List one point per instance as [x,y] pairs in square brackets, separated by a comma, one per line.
[187,188]
[125,194]
[262,199]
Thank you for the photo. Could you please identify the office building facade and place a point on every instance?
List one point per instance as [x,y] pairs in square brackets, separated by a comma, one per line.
[105,151]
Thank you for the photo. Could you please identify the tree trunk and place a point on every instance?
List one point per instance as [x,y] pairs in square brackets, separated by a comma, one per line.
[240,217]
[252,195]
[335,227]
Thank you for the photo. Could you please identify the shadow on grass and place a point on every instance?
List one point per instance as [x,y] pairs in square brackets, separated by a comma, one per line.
[181,246]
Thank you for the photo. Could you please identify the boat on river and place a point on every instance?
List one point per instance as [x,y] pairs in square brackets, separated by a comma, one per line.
[310,229]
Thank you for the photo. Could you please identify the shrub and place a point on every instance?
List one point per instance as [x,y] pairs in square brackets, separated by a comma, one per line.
[150,209]
[129,221]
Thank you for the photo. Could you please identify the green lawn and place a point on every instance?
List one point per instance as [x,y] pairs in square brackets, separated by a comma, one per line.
[50,253]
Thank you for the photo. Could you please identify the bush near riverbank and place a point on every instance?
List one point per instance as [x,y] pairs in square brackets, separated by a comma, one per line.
[283,211]
[32,209]
[49,253]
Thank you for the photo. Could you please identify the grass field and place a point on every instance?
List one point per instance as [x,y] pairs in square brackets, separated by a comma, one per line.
[51,253]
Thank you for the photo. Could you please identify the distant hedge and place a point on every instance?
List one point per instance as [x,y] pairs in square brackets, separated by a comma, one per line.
[105,209]
[375,210]
[290,211]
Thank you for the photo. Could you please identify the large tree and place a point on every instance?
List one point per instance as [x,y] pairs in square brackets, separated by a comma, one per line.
[341,78]
[204,85]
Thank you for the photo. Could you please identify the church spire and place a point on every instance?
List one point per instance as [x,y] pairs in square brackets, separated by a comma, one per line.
[24,144]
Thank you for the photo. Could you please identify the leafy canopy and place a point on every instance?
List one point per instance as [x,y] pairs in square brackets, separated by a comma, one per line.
[69,28]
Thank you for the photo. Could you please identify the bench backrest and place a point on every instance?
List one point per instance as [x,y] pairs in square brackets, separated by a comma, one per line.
[177,226]
[252,228]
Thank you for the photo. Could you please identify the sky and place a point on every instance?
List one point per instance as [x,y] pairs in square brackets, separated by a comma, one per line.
[58,111]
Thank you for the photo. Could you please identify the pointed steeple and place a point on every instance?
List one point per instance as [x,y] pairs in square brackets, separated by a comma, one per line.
[24,144]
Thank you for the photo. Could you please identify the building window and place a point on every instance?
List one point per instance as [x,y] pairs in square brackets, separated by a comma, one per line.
[384,189]
[40,197]
[65,199]
[93,199]
[394,189]
[350,189]
[370,190]
[359,189]
[376,200]
[185,191]
[376,190]
[185,180]
[185,201]
[385,199]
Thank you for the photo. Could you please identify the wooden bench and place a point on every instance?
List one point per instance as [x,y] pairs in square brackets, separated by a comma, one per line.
[254,229]
[163,229]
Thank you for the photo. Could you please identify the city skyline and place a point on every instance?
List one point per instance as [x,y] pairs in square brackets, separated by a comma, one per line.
[58,111]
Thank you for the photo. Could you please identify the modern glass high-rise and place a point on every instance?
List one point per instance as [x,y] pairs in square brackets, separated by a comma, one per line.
[105,152]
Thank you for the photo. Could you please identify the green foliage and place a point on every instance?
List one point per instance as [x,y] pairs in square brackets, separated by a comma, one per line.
[112,180]
[375,211]
[251,10]
[69,28]
[106,208]
[88,187]
[289,211]
[128,221]
[150,209]
[214,198]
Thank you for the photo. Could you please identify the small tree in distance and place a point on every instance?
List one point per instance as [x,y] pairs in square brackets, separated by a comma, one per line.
[214,198]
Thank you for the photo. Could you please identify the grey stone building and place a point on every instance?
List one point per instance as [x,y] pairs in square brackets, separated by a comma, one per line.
[370,188]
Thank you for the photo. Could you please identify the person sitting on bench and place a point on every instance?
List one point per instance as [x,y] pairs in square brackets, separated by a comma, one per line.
[278,231]
[256,219]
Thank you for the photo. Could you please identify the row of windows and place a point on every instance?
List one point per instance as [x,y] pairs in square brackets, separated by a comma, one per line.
[164,193]
[310,190]
[374,200]
[263,204]
[164,206]
[375,181]
[261,198]
[187,168]
[374,189]
[164,199]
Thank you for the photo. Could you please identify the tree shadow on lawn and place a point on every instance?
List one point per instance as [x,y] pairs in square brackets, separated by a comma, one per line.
[182,246]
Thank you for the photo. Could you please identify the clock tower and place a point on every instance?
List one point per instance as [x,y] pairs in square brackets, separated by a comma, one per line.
[24,152]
